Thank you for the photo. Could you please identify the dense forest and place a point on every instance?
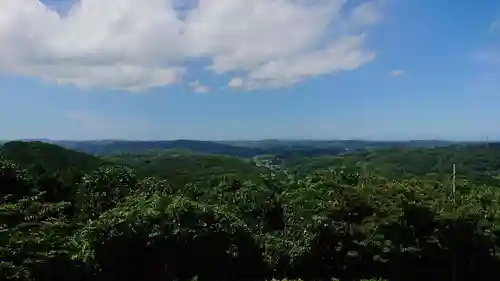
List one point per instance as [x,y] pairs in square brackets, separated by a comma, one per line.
[286,212]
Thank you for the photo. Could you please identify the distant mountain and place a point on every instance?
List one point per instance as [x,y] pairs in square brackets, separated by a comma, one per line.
[280,148]
[118,147]
[34,140]
[346,144]
[222,148]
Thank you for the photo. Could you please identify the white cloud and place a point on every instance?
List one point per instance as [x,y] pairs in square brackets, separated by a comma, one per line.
[367,13]
[198,88]
[341,55]
[136,45]
[236,82]
[396,73]
[125,77]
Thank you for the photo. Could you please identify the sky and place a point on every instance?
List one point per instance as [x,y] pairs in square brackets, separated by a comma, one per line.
[250,69]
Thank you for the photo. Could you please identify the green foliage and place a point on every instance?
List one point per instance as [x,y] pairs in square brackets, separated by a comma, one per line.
[145,233]
[182,167]
[253,223]
[103,189]
[477,163]
[54,170]
[14,181]
[48,156]
[31,230]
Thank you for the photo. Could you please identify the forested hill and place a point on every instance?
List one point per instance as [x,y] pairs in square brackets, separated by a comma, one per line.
[476,162]
[50,156]
[183,166]
[199,159]
[479,163]
[345,144]
[161,217]
[243,148]
[117,147]
[231,149]
[473,161]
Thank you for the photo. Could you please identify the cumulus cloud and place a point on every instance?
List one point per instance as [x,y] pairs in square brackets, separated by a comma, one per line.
[396,73]
[340,55]
[136,45]
[236,82]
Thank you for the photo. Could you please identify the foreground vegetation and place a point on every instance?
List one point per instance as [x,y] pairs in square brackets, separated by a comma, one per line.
[78,217]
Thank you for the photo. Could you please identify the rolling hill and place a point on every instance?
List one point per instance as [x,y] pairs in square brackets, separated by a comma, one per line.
[117,146]
[180,167]
[105,224]
[50,156]
[247,149]
[282,150]
[477,163]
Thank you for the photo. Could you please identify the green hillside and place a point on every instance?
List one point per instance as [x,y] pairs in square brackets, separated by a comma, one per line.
[182,167]
[477,163]
[171,215]
[53,170]
[117,147]
[236,149]
[52,157]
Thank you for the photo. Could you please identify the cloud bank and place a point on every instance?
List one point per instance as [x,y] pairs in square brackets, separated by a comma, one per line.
[136,45]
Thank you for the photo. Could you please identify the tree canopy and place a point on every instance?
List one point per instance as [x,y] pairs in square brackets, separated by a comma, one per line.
[125,220]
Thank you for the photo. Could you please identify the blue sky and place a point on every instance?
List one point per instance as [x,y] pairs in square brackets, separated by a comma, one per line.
[394,69]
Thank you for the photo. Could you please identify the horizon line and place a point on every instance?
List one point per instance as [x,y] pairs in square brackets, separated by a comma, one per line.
[256,140]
